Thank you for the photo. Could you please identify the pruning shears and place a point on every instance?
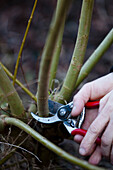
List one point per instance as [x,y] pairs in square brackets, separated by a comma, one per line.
[62,113]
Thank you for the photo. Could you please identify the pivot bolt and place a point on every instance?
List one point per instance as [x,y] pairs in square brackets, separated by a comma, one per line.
[62,112]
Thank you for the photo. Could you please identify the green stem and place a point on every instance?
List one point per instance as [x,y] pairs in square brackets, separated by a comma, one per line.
[23,41]
[57,50]
[16,106]
[47,54]
[19,83]
[79,52]
[95,57]
[48,144]
[1,95]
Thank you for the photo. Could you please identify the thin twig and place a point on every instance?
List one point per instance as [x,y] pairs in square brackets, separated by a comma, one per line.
[19,147]
[16,106]
[19,83]
[23,41]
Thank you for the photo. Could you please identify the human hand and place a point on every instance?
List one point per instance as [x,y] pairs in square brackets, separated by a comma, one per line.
[95,153]
[104,120]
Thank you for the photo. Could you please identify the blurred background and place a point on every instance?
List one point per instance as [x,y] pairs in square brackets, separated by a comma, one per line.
[14,15]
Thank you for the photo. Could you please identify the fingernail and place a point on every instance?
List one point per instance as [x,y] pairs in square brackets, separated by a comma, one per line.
[82,151]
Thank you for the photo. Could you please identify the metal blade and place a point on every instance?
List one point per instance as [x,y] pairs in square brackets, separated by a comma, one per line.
[46,120]
[53,106]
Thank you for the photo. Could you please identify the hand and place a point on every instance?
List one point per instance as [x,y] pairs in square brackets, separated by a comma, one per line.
[103,123]
[91,114]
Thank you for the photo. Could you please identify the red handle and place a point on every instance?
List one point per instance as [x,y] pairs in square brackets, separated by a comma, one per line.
[83,133]
[93,104]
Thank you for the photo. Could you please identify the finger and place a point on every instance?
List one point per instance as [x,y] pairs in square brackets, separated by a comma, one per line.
[93,148]
[90,116]
[92,91]
[78,138]
[103,102]
[93,132]
[78,106]
[107,139]
[80,99]
[96,156]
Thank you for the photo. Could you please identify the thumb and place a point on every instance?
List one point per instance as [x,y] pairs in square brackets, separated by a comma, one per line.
[80,99]
[78,106]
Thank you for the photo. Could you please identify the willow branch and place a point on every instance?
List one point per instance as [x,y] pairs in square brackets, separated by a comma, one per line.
[57,50]
[48,144]
[47,58]
[94,58]
[16,106]
[23,41]
[1,95]
[79,52]
[19,83]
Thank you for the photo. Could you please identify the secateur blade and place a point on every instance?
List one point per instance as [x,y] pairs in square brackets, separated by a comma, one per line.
[53,107]
[61,114]
[46,120]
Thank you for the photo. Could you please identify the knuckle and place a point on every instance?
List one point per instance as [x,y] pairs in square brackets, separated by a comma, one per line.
[85,91]
[81,95]
[93,129]
[86,86]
